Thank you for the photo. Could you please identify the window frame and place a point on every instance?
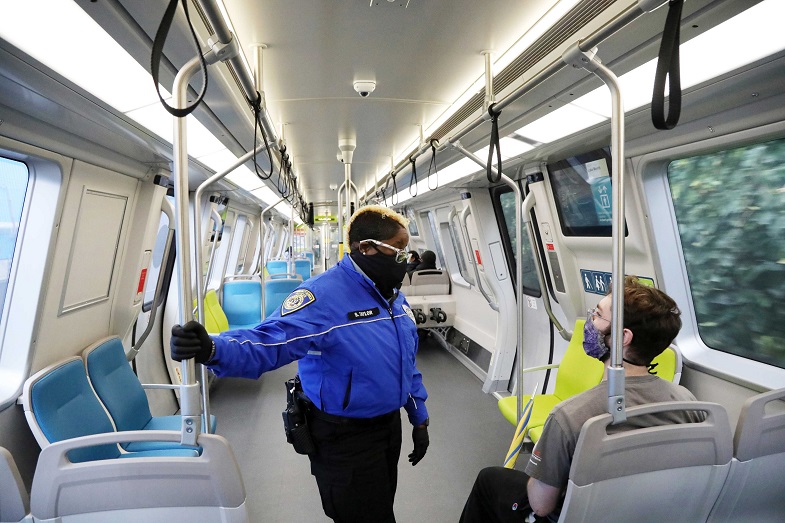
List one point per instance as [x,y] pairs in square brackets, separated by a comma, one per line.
[31,262]
[671,271]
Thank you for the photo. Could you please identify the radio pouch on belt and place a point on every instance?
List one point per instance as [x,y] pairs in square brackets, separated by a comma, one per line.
[294,422]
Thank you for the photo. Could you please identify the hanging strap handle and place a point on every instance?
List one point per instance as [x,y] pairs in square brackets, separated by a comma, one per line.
[432,167]
[157,55]
[413,179]
[494,146]
[256,105]
[394,196]
[668,65]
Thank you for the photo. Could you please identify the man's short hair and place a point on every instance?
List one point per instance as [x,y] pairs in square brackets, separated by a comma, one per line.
[374,222]
[652,316]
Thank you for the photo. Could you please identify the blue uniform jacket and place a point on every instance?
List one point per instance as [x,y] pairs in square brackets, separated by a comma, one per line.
[356,350]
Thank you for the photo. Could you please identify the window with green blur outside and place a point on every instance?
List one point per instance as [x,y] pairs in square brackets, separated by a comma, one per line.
[730,209]
[13,187]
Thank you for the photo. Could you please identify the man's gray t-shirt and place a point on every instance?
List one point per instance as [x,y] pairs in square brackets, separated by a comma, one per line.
[552,455]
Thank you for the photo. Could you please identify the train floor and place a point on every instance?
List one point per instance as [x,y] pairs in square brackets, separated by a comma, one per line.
[467,433]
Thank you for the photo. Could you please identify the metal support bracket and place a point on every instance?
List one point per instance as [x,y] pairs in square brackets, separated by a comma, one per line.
[220,52]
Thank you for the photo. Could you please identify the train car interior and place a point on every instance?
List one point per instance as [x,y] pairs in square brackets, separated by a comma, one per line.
[167,161]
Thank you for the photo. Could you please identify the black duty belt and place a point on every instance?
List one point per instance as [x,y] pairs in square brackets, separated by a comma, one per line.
[354,422]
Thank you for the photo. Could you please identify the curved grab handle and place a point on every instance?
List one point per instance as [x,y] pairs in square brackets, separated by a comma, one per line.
[465,233]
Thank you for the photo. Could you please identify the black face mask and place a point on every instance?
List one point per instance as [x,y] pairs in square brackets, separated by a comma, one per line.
[383,270]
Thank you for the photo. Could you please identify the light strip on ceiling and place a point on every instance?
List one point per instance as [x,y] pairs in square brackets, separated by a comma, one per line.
[71,43]
[507,57]
[743,39]
[63,37]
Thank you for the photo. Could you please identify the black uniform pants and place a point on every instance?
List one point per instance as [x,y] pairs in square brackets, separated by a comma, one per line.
[356,466]
[498,495]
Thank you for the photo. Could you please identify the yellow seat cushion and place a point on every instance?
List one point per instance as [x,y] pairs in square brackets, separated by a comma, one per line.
[576,373]
[214,318]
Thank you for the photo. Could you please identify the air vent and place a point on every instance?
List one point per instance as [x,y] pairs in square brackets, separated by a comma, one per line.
[562,31]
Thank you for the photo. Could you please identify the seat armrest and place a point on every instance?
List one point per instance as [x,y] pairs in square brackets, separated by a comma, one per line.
[159,386]
[541,367]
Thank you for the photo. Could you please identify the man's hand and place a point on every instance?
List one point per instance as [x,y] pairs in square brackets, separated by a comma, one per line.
[421,441]
[191,341]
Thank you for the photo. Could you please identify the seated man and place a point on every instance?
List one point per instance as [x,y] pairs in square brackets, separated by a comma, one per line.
[651,322]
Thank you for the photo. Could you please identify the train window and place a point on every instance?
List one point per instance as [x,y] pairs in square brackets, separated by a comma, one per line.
[454,256]
[729,207]
[220,257]
[432,221]
[413,230]
[13,187]
[155,262]
[238,238]
[582,188]
[504,204]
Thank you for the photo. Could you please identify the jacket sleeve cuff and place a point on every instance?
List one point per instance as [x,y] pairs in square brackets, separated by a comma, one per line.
[419,416]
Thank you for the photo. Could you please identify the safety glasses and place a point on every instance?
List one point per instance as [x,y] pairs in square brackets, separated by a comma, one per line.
[401,255]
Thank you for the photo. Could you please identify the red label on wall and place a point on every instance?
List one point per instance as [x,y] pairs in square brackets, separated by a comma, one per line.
[550,247]
[477,257]
[142,278]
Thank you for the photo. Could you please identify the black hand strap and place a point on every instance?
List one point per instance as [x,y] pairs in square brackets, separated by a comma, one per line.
[668,65]
[257,124]
[432,167]
[394,195]
[413,179]
[157,55]
[282,185]
[493,178]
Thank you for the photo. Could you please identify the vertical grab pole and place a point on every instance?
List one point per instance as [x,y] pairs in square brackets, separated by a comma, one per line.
[347,191]
[264,255]
[189,389]
[259,264]
[347,147]
[518,267]
[290,264]
[340,221]
[589,61]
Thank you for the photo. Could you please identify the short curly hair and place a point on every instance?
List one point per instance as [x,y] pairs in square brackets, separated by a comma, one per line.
[652,316]
[374,222]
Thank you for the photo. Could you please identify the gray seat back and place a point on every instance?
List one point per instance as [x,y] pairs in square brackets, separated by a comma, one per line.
[671,472]
[14,503]
[429,282]
[755,488]
[203,489]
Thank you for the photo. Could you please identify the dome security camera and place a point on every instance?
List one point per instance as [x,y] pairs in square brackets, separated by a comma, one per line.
[364,88]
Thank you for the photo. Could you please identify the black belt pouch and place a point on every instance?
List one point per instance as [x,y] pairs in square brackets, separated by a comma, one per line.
[294,421]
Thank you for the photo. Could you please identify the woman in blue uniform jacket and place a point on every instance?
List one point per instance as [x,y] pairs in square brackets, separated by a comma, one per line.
[356,339]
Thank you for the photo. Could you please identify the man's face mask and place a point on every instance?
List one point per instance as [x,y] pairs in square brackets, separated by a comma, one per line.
[594,340]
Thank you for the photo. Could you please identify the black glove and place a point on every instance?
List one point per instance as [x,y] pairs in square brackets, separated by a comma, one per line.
[191,341]
[421,441]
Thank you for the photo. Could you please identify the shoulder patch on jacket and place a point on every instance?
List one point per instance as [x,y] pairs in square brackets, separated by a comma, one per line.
[409,313]
[297,300]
